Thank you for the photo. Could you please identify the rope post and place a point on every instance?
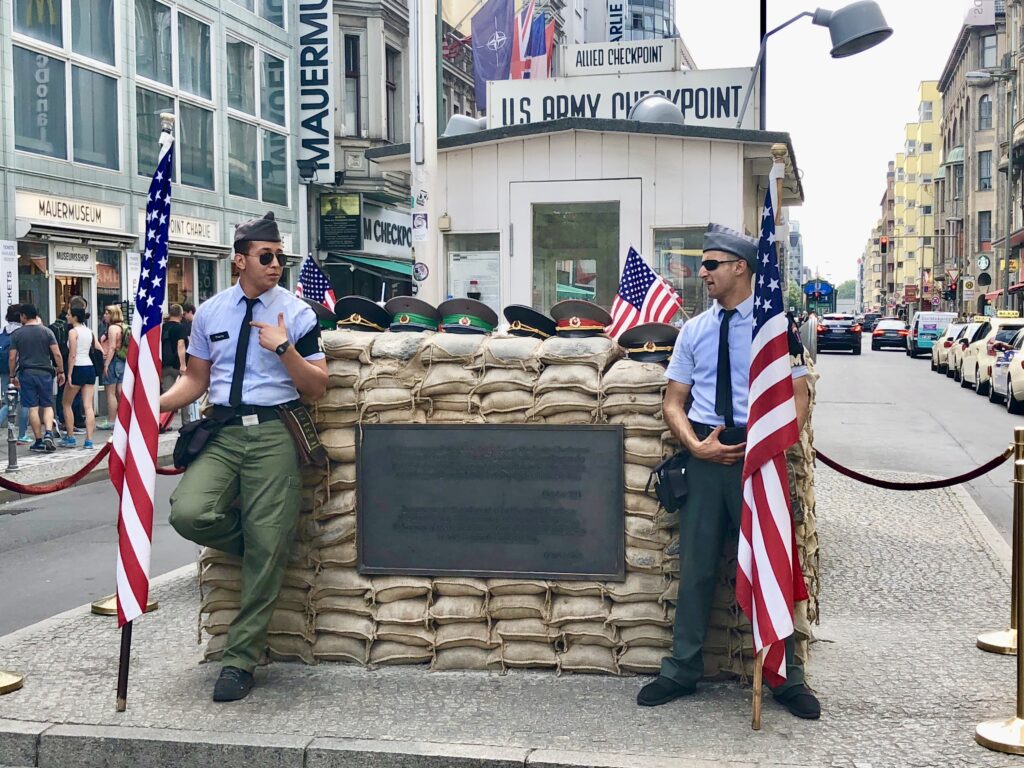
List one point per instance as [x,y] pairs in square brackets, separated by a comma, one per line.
[12,425]
[1007,735]
[1005,640]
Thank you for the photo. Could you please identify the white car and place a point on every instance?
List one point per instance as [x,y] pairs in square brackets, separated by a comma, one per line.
[942,344]
[976,366]
[1008,374]
[955,354]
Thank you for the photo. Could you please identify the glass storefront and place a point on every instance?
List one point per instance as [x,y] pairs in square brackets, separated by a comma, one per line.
[33,282]
[180,279]
[108,279]
[575,252]
[677,257]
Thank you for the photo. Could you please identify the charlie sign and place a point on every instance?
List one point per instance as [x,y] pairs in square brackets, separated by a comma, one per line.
[707,97]
[316,94]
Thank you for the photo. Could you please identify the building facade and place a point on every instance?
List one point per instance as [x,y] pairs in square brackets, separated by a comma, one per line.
[795,255]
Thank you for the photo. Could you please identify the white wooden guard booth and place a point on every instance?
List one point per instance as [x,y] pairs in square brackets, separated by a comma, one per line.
[539,212]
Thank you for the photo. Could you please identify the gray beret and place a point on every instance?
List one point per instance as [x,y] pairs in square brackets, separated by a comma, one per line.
[259,229]
[719,238]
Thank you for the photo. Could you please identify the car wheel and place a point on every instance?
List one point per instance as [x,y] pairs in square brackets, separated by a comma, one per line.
[993,396]
[856,350]
[964,383]
[934,366]
[981,387]
[1013,405]
[874,347]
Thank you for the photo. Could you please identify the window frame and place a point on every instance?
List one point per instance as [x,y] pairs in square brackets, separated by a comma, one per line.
[392,102]
[983,48]
[258,14]
[355,75]
[988,215]
[985,154]
[985,114]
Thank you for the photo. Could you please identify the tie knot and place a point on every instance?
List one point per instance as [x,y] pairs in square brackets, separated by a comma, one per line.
[727,314]
[250,303]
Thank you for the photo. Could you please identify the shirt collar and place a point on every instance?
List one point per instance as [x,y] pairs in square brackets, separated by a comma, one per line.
[744,308]
[264,298]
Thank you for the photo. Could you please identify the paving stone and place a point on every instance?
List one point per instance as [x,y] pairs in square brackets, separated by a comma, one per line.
[18,741]
[359,753]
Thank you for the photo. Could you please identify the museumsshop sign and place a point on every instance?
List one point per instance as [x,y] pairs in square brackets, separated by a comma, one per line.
[707,97]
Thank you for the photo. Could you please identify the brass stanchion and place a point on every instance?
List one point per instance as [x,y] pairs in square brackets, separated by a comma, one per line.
[1005,640]
[107,606]
[10,682]
[1008,735]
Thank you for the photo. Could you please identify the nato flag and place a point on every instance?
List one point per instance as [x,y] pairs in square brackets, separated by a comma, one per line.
[492,46]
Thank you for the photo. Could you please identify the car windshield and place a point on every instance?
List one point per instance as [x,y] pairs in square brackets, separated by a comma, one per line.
[953,330]
[1007,333]
[892,325]
[968,330]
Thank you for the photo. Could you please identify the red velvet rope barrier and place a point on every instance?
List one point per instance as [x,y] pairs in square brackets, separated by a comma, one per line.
[929,485]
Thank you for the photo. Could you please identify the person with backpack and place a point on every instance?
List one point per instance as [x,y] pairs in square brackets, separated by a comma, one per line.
[61,328]
[31,362]
[13,322]
[115,352]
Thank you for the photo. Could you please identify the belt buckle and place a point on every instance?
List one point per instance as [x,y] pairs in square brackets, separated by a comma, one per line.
[250,420]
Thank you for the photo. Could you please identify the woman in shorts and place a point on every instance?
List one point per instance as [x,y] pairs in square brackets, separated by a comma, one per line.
[81,340]
[115,352]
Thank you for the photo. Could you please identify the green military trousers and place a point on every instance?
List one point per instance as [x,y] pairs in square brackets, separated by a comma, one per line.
[713,509]
[258,466]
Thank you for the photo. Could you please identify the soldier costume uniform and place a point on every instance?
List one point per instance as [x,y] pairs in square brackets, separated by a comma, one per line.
[252,458]
[712,358]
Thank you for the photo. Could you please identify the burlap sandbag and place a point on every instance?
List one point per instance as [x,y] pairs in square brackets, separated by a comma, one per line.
[517,587]
[634,614]
[642,504]
[340,443]
[386,399]
[590,633]
[574,378]
[388,589]
[344,582]
[227,577]
[574,609]
[588,659]
[412,611]
[451,610]
[447,379]
[506,402]
[527,655]
[637,588]
[348,345]
[219,599]
[571,417]
[338,648]
[398,346]
[407,634]
[646,635]
[634,376]
[641,659]
[512,417]
[464,635]
[343,554]
[528,630]
[211,556]
[341,502]
[453,417]
[331,419]
[464,658]
[642,532]
[646,451]
[342,477]
[338,399]
[342,373]
[290,648]
[514,352]
[667,521]
[644,560]
[399,416]
[389,653]
[561,401]
[638,424]
[451,402]
[671,593]
[292,599]
[287,622]
[453,586]
[343,604]
[214,650]
[632,402]
[517,607]
[636,477]
[333,530]
[578,588]
[596,351]
[504,380]
[449,348]
[346,625]
[303,578]
[218,622]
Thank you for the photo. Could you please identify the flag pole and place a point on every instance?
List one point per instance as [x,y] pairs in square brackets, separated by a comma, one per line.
[755,722]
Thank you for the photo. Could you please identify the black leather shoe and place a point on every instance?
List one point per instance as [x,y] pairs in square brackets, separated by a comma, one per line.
[662,691]
[232,685]
[801,702]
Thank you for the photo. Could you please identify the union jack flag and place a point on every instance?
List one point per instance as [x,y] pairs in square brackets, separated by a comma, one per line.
[314,285]
[768,577]
[644,297]
[133,459]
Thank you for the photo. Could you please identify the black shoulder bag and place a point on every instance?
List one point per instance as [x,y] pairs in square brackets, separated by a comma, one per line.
[669,481]
[193,438]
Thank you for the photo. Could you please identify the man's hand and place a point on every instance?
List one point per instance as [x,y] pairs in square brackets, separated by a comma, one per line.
[14,383]
[272,336]
[711,449]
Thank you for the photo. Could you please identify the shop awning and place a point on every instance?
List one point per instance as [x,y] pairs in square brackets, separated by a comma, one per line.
[572,292]
[1017,288]
[403,268]
[940,174]
[994,295]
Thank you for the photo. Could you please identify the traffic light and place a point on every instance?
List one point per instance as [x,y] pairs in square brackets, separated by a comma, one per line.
[883,244]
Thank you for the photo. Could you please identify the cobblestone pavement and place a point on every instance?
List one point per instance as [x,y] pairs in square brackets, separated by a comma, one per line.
[908,582]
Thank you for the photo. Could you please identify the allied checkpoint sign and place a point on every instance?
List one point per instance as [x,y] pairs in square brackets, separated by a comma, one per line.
[539,501]
[706,97]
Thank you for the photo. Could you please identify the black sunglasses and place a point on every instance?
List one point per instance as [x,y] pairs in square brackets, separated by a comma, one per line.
[266,258]
[712,264]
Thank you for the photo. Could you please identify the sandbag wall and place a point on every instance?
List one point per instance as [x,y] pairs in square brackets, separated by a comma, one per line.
[329,612]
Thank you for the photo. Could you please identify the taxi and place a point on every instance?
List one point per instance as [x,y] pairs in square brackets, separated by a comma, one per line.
[977,359]
[955,353]
[1007,379]
[942,344]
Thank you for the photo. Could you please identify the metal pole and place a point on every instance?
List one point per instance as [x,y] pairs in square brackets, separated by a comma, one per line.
[763,84]
[1008,226]
[758,63]
[12,425]
[439,26]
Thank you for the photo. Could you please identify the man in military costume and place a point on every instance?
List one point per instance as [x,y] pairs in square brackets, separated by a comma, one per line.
[711,362]
[254,346]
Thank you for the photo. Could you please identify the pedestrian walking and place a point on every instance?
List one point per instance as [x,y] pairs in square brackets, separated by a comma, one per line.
[188,314]
[11,324]
[61,327]
[32,361]
[115,353]
[173,342]
[81,342]
[257,348]
[711,363]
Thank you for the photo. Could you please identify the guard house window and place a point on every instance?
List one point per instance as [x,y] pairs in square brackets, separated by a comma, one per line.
[63,59]
[391,65]
[352,123]
[677,257]
[988,51]
[984,227]
[985,170]
[575,252]
[184,89]
[985,113]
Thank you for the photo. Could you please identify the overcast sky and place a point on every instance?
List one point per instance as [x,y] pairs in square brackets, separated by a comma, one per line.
[846,116]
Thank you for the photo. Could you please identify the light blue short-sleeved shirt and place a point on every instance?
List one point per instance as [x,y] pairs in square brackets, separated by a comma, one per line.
[695,362]
[215,336]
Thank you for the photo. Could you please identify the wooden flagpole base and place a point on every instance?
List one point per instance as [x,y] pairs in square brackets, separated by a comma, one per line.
[758,689]
[107,606]
[122,667]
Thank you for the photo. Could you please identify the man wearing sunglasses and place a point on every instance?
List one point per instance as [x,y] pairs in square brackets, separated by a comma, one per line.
[255,346]
[711,363]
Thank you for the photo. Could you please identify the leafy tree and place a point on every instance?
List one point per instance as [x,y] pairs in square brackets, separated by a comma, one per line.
[847,290]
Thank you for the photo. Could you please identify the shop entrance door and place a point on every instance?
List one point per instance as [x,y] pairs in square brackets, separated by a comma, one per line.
[66,286]
[570,239]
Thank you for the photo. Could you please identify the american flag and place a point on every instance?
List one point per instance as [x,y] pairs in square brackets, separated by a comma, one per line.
[133,460]
[768,577]
[644,297]
[314,285]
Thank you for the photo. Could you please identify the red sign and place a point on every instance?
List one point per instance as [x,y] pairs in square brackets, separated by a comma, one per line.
[909,293]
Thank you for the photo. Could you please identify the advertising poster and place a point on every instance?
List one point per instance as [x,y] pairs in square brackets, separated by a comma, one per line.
[341,223]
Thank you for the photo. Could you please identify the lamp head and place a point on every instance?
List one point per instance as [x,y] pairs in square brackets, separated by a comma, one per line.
[460,125]
[854,27]
[655,108]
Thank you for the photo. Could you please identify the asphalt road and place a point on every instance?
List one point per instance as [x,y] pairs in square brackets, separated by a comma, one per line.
[886,411]
[59,551]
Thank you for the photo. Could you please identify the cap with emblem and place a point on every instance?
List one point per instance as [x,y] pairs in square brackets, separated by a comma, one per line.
[409,314]
[527,321]
[649,342]
[323,314]
[719,238]
[358,313]
[264,228]
[467,316]
[576,318]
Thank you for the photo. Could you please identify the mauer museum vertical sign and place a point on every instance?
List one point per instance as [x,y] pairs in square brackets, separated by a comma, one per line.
[8,275]
[316,95]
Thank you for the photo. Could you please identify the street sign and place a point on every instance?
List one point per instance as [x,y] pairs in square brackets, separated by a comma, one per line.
[968,295]
[953,274]
[969,284]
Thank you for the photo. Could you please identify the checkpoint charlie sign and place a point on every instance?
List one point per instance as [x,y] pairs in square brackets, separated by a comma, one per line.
[707,97]
[622,58]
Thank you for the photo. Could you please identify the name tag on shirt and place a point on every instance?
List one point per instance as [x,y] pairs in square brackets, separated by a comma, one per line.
[222,336]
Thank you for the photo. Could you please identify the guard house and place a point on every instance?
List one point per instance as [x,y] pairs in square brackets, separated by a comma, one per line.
[539,212]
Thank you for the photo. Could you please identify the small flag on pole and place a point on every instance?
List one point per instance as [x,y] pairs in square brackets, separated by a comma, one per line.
[314,285]
[644,297]
[133,459]
[768,577]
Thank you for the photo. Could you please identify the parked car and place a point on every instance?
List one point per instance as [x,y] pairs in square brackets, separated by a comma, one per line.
[965,338]
[871,319]
[1007,379]
[941,346]
[836,331]
[925,328]
[889,333]
[979,356]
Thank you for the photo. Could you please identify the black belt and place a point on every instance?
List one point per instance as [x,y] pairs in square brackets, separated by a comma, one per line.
[233,416]
[729,436]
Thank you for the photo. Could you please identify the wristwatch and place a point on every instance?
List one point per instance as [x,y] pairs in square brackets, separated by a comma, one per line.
[282,347]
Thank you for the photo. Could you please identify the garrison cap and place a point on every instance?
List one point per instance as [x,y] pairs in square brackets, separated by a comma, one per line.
[576,318]
[649,342]
[467,316]
[358,313]
[410,314]
[719,238]
[259,229]
[324,316]
[527,321]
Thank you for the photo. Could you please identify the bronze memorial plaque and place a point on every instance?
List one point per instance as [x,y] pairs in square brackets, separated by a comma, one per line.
[492,500]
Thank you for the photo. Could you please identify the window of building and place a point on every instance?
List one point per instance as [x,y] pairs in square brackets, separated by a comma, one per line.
[392,65]
[40,120]
[148,106]
[984,227]
[153,40]
[985,170]
[194,56]
[638,21]
[242,178]
[352,122]
[42,21]
[273,89]
[926,210]
[195,150]
[925,112]
[988,51]
[926,242]
[958,182]
[926,178]
[677,259]
[877,268]
[985,113]
[95,131]
[92,29]
[241,60]
[926,147]
[273,11]
[590,269]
